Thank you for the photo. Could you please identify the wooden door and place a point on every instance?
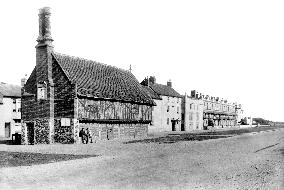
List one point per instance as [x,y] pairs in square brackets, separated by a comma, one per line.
[173,125]
[110,134]
[30,133]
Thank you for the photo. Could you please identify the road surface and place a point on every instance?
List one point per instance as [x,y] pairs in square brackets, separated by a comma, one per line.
[248,161]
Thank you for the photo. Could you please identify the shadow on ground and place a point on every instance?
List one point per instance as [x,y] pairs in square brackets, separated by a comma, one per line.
[14,159]
[7,142]
[175,138]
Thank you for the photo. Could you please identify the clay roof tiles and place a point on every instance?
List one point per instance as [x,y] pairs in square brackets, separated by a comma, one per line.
[164,90]
[102,81]
[153,94]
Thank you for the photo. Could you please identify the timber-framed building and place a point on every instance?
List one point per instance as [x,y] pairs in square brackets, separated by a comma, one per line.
[65,93]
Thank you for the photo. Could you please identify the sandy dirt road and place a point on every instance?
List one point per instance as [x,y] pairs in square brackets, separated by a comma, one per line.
[248,161]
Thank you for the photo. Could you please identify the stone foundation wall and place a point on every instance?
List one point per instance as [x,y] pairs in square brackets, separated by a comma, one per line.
[41,131]
[115,131]
[63,134]
[23,134]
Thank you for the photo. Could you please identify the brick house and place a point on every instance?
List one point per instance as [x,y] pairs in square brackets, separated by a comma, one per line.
[167,112]
[10,109]
[65,93]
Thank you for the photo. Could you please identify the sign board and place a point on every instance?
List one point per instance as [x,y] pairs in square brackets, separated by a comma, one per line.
[65,122]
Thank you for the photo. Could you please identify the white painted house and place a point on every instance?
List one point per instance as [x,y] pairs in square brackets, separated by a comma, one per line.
[166,115]
[10,109]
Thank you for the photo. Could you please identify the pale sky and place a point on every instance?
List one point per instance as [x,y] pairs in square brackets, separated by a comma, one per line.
[228,49]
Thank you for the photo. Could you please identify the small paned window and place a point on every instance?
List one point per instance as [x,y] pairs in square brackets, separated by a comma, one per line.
[41,91]
[177,109]
[168,121]
[14,101]
[168,109]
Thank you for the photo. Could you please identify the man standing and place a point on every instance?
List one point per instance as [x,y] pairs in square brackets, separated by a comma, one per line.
[82,135]
[89,136]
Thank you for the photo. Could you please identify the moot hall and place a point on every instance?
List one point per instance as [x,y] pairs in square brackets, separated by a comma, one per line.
[65,93]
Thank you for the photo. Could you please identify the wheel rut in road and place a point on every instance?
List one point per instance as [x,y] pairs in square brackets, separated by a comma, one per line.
[266,147]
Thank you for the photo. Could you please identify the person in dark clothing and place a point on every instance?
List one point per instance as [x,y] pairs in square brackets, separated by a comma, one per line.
[89,136]
[82,135]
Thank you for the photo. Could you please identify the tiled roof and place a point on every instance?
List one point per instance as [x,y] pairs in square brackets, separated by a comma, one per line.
[153,94]
[102,81]
[164,90]
[10,90]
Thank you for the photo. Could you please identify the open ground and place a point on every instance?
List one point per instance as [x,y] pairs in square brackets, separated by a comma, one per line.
[175,161]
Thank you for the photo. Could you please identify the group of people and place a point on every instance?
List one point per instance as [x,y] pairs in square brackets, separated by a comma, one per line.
[85,136]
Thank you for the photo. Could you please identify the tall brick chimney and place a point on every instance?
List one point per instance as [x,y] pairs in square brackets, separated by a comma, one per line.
[45,86]
[44,37]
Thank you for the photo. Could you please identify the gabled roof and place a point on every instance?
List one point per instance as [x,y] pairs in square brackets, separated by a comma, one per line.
[153,94]
[164,90]
[98,80]
[10,90]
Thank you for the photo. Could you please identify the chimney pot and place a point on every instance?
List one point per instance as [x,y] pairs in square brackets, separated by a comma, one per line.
[152,79]
[44,37]
[169,83]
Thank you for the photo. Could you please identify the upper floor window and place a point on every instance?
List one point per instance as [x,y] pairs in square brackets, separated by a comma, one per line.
[177,109]
[168,109]
[168,121]
[190,116]
[41,91]
[14,101]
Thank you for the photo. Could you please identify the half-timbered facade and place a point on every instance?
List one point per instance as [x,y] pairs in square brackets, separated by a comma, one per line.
[66,93]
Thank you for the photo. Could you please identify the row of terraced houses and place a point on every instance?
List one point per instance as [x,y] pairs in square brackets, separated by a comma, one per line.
[64,94]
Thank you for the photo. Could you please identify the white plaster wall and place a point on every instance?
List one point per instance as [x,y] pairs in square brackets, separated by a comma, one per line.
[160,114]
[7,115]
[196,110]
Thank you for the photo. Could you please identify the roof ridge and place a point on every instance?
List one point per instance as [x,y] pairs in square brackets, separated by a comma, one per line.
[89,60]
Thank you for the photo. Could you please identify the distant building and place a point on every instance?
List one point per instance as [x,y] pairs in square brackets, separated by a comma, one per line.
[167,112]
[10,109]
[64,94]
[192,113]
[217,113]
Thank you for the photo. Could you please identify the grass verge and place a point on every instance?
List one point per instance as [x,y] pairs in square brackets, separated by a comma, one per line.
[172,138]
[14,159]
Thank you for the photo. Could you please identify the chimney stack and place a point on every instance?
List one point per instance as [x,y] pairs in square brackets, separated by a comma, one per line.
[44,70]
[44,37]
[169,83]
[152,79]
